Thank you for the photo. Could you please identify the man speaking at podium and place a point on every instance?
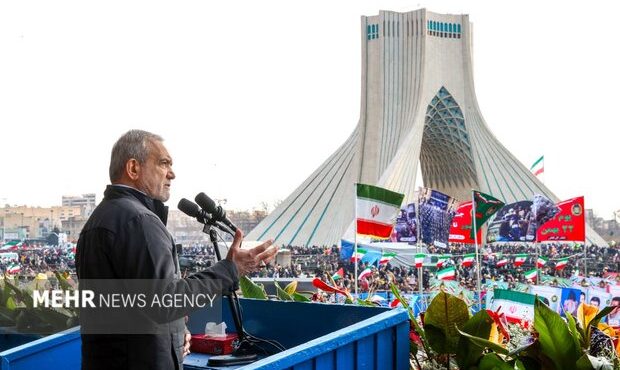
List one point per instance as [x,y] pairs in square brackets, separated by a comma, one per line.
[126,238]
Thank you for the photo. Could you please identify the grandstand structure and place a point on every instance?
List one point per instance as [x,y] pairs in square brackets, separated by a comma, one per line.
[418,108]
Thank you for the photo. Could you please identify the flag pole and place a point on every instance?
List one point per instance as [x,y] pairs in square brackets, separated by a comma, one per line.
[417,242]
[473,205]
[355,246]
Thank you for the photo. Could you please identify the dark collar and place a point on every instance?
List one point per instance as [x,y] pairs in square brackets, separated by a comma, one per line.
[154,205]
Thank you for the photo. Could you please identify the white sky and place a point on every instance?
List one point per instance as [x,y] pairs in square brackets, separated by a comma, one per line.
[252,96]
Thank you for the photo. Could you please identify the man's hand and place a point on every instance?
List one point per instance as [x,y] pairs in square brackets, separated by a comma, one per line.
[187,343]
[248,260]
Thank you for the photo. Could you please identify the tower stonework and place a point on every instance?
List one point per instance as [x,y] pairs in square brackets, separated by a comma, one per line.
[418,107]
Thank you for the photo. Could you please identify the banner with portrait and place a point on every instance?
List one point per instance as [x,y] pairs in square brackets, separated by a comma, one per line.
[511,224]
[436,211]
[551,296]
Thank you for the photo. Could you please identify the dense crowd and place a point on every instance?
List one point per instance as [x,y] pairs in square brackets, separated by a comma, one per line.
[324,262]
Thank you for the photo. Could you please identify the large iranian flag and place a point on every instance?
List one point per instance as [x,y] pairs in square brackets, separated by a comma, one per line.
[517,306]
[376,210]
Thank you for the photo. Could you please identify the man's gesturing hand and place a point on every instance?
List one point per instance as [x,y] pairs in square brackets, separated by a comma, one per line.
[248,260]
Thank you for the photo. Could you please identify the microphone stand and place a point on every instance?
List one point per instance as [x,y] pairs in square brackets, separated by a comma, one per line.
[246,351]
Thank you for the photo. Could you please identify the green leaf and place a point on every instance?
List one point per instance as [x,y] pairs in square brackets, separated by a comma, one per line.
[519,365]
[484,343]
[599,316]
[572,326]
[64,284]
[10,303]
[362,302]
[420,331]
[468,353]
[249,289]
[584,363]
[282,295]
[491,361]
[556,341]
[291,287]
[413,348]
[445,313]
[22,295]
[300,297]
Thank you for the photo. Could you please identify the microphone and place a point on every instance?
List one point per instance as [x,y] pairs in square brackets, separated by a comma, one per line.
[217,213]
[192,210]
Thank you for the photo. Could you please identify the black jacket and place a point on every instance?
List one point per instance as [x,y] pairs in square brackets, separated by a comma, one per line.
[126,238]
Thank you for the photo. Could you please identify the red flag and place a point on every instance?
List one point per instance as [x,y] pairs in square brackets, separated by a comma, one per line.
[460,229]
[569,224]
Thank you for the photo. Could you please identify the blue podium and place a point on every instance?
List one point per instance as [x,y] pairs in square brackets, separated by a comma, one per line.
[316,336]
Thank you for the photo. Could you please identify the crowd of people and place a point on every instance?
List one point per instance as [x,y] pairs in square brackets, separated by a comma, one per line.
[324,262]
[29,262]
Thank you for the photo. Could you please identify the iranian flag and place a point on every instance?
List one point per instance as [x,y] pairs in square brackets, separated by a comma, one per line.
[11,246]
[386,257]
[502,262]
[13,268]
[468,260]
[541,261]
[376,210]
[561,263]
[517,306]
[367,272]
[448,273]
[520,259]
[441,260]
[339,274]
[539,166]
[357,256]
[531,274]
[419,259]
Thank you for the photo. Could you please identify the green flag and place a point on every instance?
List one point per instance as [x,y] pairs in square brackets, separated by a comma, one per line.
[485,206]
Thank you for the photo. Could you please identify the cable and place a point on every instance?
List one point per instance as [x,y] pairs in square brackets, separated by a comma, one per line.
[254,340]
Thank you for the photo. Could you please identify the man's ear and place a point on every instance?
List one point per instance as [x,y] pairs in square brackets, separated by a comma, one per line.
[132,169]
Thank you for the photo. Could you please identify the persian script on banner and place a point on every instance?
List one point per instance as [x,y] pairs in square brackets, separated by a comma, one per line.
[568,224]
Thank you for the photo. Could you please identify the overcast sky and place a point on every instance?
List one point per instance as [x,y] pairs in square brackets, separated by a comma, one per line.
[252,96]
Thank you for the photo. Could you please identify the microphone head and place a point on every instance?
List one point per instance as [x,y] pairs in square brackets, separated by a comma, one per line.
[205,202]
[189,208]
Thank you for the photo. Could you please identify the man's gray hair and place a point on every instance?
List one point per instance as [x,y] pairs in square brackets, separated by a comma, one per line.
[133,144]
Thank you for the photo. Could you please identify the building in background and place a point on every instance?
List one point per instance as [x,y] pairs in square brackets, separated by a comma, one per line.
[188,232]
[23,222]
[87,202]
[418,108]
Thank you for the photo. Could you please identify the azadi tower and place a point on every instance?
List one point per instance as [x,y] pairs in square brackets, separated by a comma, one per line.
[418,108]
